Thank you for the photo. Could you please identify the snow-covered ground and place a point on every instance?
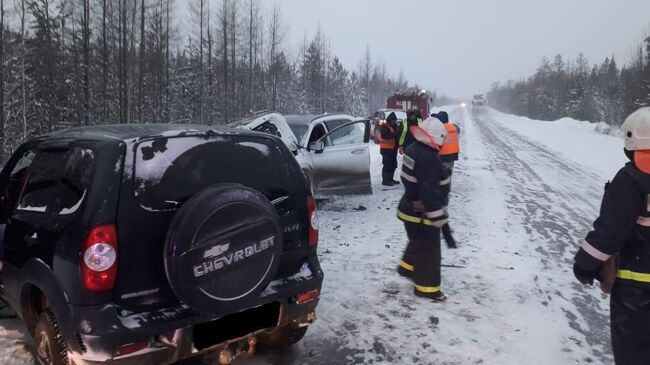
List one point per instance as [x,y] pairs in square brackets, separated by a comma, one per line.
[15,345]
[596,146]
[524,194]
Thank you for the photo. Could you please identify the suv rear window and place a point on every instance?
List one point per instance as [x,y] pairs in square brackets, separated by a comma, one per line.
[42,181]
[57,180]
[168,171]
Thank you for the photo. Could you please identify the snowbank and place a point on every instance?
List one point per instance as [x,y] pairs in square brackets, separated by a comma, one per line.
[591,145]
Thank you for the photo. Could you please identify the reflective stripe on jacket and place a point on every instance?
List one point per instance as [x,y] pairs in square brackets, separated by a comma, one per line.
[451,147]
[622,229]
[423,198]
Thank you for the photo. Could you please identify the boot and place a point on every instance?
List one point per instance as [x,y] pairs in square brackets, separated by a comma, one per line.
[405,273]
[438,296]
[446,233]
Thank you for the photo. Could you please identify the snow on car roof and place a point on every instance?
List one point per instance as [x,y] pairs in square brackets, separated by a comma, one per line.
[306,119]
[129,131]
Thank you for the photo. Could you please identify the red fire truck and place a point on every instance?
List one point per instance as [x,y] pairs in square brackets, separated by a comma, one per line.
[411,98]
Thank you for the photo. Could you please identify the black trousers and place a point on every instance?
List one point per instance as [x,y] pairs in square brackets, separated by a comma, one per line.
[630,325]
[422,256]
[389,160]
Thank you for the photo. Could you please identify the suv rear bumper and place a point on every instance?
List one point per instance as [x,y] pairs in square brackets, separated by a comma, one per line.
[98,332]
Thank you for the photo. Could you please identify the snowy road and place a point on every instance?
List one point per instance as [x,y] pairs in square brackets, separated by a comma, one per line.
[518,210]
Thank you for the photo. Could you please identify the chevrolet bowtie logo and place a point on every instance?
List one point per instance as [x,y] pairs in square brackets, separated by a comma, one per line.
[217,250]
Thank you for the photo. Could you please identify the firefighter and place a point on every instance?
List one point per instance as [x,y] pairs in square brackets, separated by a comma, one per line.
[617,251]
[388,131]
[406,137]
[448,155]
[421,209]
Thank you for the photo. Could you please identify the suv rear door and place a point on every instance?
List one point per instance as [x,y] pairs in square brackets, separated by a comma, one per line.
[161,173]
[341,158]
[43,188]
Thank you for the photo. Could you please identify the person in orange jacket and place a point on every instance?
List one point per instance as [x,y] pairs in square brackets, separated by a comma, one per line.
[388,130]
[449,153]
[451,148]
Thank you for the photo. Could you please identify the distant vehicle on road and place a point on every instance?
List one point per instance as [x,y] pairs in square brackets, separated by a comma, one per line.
[147,244]
[332,149]
[479,103]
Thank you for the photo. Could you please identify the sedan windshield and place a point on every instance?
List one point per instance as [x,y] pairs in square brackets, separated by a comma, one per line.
[299,130]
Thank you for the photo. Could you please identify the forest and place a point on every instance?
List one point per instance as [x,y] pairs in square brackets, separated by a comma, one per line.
[67,63]
[603,92]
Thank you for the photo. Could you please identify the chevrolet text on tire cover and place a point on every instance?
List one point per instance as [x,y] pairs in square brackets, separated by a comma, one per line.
[223,248]
[150,244]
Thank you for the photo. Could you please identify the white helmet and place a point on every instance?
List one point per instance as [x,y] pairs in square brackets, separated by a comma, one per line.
[434,127]
[637,130]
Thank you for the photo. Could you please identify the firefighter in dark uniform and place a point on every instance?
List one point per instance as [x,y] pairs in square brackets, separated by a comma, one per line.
[413,119]
[617,251]
[388,131]
[421,209]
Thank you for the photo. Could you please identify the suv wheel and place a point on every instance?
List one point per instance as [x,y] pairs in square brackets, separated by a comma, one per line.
[282,337]
[50,345]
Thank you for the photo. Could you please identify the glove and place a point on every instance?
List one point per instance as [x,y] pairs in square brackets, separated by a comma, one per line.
[449,238]
[584,276]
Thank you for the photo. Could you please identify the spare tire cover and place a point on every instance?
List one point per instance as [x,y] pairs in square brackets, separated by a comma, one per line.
[223,247]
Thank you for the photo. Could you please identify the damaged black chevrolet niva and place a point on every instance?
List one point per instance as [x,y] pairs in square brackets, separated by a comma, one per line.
[149,244]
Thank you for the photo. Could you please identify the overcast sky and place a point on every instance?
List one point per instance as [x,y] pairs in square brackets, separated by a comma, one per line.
[460,47]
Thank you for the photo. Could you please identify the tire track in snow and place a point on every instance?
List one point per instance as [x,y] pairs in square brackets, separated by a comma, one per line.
[557,200]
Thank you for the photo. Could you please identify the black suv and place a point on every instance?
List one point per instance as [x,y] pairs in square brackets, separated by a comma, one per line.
[152,243]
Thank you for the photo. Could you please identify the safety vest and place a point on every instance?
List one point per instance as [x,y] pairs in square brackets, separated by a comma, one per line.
[451,146]
[387,144]
[405,130]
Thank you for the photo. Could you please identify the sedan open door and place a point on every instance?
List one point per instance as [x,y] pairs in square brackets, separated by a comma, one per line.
[341,160]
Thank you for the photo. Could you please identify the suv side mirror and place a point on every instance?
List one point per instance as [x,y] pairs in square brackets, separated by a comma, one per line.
[317,146]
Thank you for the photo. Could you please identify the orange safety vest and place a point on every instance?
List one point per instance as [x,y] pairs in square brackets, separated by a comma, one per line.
[388,144]
[451,146]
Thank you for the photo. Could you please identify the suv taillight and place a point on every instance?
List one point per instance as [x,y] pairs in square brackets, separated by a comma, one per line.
[99,258]
[312,218]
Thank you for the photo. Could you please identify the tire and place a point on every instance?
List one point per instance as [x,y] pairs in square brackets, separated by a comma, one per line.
[51,348]
[223,247]
[282,337]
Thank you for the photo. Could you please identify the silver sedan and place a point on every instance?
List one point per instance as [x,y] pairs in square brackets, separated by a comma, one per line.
[332,149]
